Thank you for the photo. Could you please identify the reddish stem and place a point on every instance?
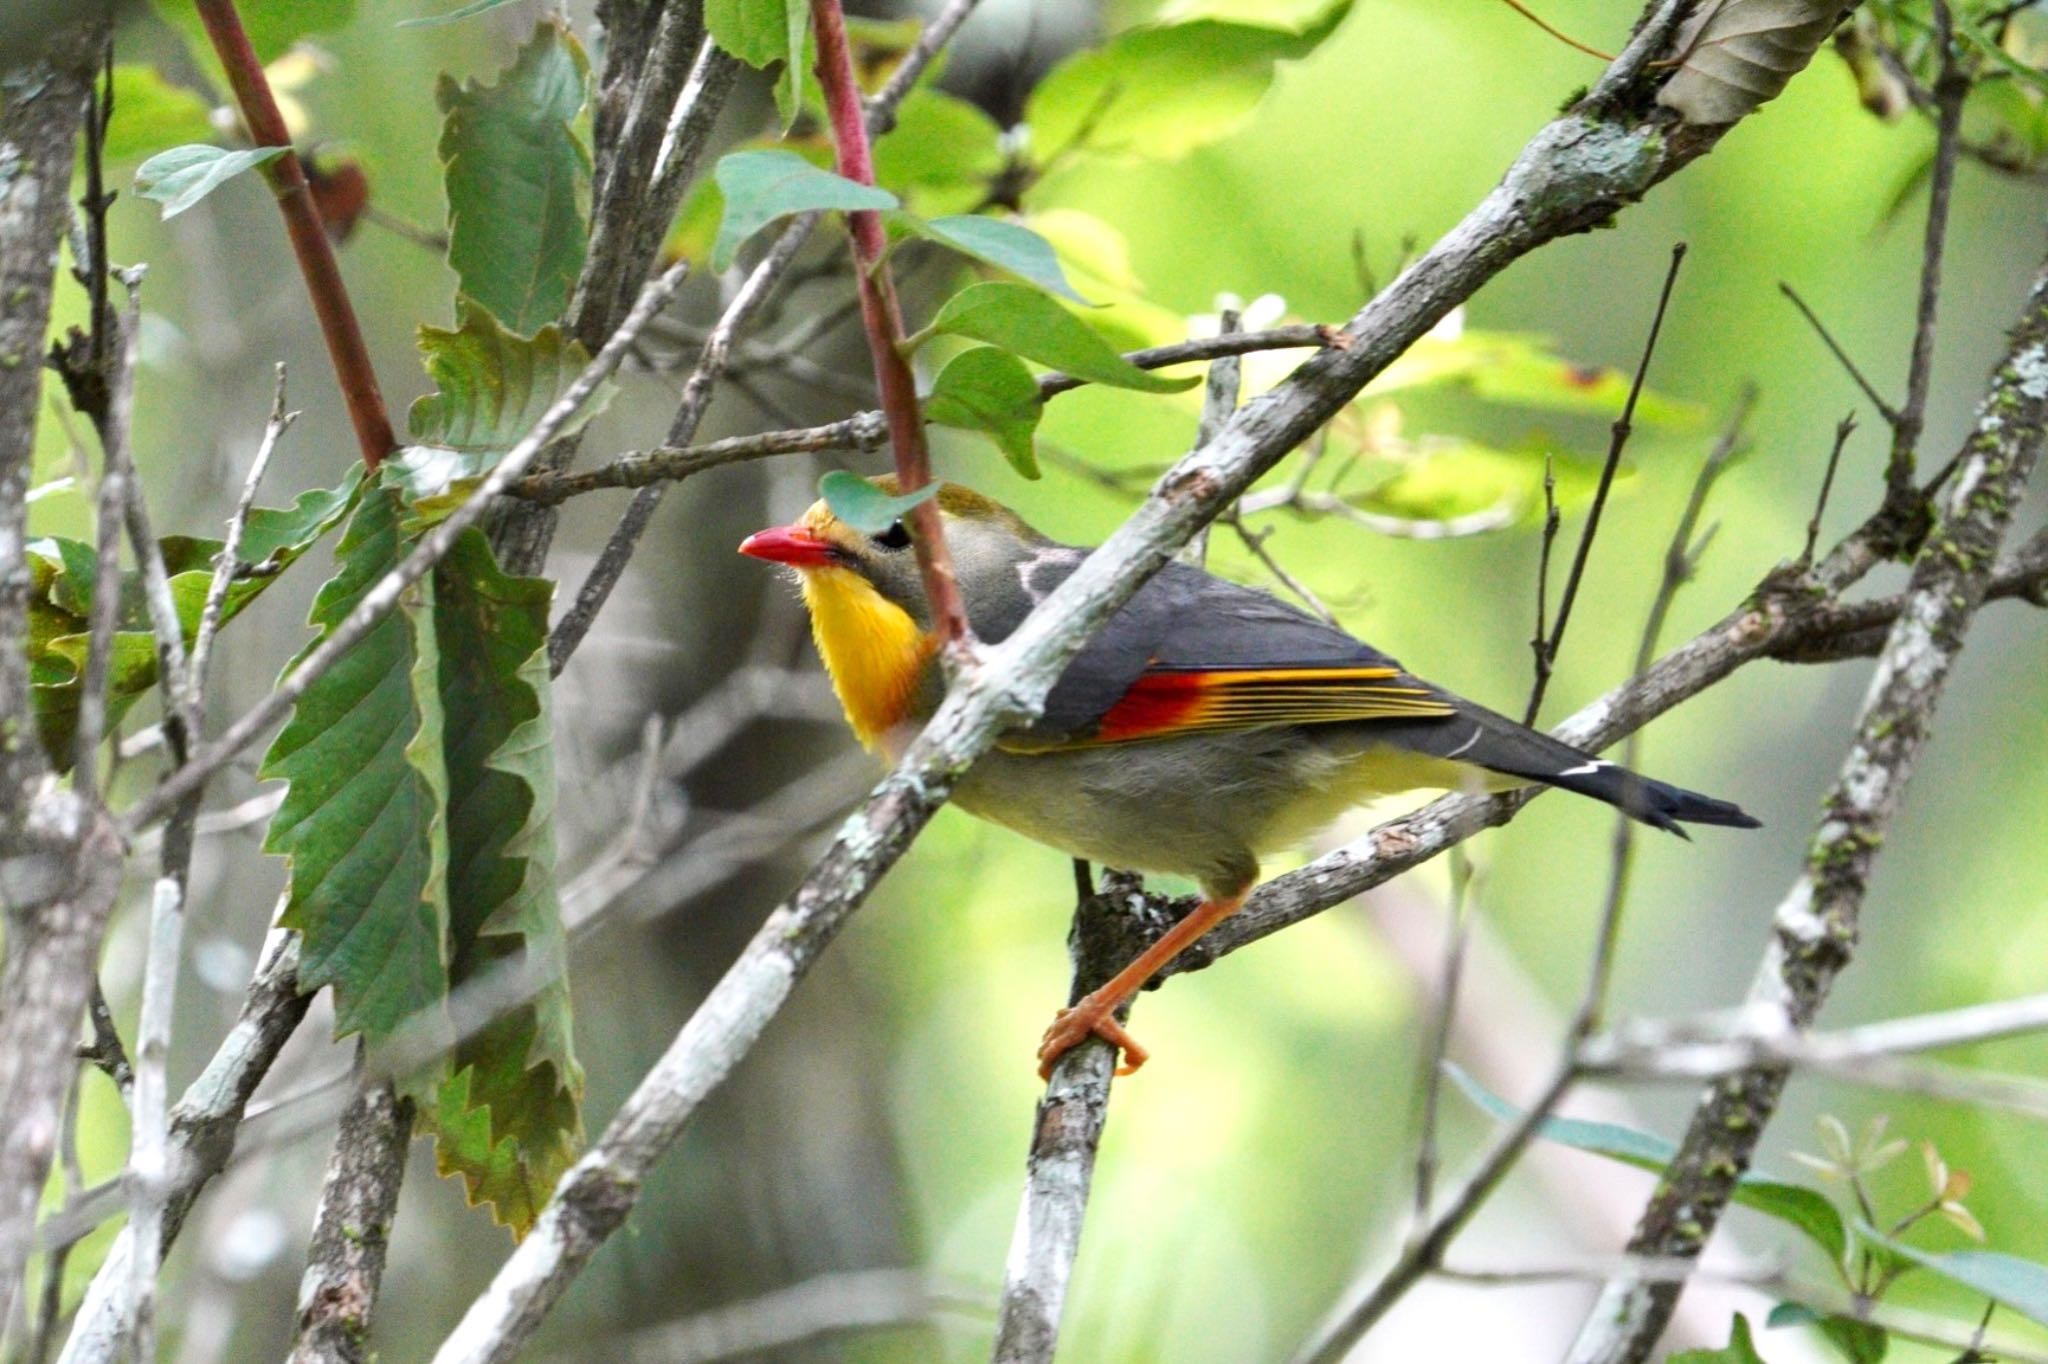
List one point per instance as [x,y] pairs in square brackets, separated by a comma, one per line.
[883,321]
[309,237]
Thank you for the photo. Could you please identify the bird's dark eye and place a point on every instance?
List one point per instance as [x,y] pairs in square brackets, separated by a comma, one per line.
[896,537]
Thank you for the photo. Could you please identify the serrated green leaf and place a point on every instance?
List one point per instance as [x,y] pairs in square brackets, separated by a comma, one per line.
[182,176]
[491,387]
[1005,245]
[1740,1349]
[469,11]
[990,390]
[518,179]
[362,820]
[1023,321]
[1803,1208]
[865,507]
[272,25]
[2007,1280]
[1160,93]
[519,1071]
[760,187]
[61,592]
[942,154]
[151,114]
[1510,367]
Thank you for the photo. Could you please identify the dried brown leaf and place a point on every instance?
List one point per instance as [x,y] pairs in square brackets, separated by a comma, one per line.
[1735,54]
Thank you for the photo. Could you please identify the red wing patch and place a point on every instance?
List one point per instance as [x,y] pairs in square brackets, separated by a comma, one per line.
[1175,701]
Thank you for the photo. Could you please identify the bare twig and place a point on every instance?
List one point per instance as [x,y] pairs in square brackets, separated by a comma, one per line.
[862,431]
[1951,88]
[1624,425]
[1844,428]
[1438,1048]
[1884,409]
[231,549]
[1219,400]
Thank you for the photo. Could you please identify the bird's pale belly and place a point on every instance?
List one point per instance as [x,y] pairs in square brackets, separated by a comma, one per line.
[1204,806]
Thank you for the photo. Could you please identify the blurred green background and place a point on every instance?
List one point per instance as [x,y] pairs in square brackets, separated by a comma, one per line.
[1265,1154]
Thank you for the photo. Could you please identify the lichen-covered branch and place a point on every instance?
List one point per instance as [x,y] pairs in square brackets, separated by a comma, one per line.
[1815,928]
[352,1230]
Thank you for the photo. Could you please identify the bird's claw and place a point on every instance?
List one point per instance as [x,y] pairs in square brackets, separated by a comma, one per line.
[1090,1018]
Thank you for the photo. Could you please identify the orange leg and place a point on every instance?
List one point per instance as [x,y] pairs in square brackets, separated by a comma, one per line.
[1094,1014]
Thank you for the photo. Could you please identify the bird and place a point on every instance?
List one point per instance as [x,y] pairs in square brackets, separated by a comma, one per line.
[1206,725]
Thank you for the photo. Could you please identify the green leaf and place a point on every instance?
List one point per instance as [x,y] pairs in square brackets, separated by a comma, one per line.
[865,507]
[1160,93]
[1005,245]
[1024,321]
[760,187]
[491,387]
[2011,65]
[1859,1341]
[151,114]
[518,180]
[508,1113]
[942,154]
[1508,367]
[60,602]
[762,33]
[1294,16]
[990,390]
[1803,1208]
[362,819]
[1480,487]
[2007,1280]
[182,176]
[468,11]
[272,25]
[1740,1349]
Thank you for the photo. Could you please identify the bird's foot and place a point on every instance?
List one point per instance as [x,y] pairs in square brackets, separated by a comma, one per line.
[1092,1017]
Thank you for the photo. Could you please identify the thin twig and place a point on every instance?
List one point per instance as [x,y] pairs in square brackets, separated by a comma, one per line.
[1843,430]
[1539,643]
[1951,89]
[225,564]
[1877,400]
[1624,425]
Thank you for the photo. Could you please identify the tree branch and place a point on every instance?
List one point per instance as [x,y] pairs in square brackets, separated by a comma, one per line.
[1815,928]
[352,1230]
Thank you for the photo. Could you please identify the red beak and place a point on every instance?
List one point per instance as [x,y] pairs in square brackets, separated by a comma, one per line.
[791,545]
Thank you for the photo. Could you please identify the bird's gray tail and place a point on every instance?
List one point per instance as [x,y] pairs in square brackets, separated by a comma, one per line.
[1514,750]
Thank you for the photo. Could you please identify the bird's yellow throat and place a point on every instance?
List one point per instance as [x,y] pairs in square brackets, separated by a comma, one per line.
[874,652]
